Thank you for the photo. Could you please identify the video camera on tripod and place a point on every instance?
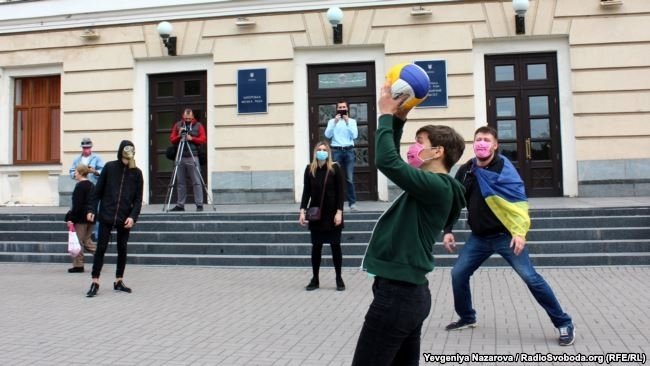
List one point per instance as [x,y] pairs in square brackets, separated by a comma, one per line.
[183,149]
[184,130]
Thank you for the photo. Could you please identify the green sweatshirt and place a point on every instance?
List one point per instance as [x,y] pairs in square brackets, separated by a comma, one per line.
[401,245]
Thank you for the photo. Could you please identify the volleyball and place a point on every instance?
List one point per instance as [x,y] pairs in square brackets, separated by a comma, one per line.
[411,80]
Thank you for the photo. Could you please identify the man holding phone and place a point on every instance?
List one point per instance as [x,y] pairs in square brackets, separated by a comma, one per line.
[342,130]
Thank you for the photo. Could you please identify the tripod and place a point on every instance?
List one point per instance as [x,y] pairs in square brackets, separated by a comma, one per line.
[184,144]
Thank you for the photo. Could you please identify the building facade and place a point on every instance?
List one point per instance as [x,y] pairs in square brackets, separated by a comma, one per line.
[570,95]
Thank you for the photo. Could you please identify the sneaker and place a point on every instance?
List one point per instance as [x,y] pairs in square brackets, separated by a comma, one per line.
[199,208]
[461,324]
[75,270]
[313,284]
[353,207]
[178,208]
[120,286]
[567,335]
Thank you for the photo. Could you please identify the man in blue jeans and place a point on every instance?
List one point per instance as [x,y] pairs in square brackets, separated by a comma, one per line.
[342,130]
[498,217]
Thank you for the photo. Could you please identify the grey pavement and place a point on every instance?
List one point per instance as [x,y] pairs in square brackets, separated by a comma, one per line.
[262,316]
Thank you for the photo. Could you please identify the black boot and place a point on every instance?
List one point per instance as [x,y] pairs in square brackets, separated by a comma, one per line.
[93,290]
[313,284]
[120,286]
[340,285]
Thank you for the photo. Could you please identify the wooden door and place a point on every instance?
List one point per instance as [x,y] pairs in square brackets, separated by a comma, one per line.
[169,95]
[523,105]
[354,83]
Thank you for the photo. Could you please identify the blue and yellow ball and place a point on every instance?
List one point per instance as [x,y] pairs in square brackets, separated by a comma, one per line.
[408,79]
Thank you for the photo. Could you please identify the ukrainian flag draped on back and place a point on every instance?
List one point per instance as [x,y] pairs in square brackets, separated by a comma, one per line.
[504,193]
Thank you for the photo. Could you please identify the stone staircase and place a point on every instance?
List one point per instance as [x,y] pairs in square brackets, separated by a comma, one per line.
[559,237]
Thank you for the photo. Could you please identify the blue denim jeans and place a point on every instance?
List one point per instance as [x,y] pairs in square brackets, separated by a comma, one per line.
[476,250]
[346,159]
[393,324]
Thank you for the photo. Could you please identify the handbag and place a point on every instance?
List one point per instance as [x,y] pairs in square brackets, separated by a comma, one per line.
[74,248]
[314,213]
[170,152]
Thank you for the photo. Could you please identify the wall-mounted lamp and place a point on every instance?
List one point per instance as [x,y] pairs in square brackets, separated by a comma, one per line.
[165,29]
[520,7]
[419,11]
[244,22]
[334,16]
[89,34]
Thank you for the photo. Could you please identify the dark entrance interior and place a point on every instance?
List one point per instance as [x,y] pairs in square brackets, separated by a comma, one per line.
[354,83]
[169,95]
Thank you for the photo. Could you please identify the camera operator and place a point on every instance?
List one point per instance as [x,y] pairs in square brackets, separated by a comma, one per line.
[192,131]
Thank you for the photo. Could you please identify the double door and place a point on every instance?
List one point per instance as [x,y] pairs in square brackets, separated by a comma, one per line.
[169,95]
[354,83]
[523,106]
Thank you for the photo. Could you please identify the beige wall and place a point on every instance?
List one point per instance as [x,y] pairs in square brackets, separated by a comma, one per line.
[609,73]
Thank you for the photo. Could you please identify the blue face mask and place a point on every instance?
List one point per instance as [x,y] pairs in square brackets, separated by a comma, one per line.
[321,155]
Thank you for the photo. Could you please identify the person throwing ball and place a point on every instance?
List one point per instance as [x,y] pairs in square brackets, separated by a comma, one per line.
[399,254]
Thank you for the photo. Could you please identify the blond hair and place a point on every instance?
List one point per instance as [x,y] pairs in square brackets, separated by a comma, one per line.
[82,169]
[314,163]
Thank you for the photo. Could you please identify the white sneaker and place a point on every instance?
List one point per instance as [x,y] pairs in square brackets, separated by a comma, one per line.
[353,207]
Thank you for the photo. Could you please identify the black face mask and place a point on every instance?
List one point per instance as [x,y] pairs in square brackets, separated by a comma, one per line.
[342,112]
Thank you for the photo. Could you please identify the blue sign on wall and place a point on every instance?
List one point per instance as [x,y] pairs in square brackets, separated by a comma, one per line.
[251,91]
[437,71]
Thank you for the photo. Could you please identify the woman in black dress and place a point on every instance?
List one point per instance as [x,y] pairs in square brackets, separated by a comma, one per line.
[324,178]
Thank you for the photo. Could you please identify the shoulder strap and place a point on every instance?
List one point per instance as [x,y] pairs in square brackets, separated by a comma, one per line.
[322,195]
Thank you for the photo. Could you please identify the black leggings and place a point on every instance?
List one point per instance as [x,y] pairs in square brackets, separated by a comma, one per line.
[337,258]
[102,245]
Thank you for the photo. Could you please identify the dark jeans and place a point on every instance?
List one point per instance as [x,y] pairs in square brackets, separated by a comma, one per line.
[102,245]
[476,250]
[391,331]
[346,159]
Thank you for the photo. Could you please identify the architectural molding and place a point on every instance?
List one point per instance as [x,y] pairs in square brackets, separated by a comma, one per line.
[43,15]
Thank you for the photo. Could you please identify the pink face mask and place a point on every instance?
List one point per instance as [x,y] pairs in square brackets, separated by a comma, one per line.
[413,155]
[482,149]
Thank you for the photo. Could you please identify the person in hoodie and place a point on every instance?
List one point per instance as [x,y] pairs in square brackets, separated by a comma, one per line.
[399,254]
[119,190]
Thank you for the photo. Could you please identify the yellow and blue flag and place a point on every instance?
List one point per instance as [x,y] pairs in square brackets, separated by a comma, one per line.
[505,194]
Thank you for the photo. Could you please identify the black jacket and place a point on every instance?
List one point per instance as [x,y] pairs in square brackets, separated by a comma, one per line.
[119,190]
[83,190]
[332,201]
[480,217]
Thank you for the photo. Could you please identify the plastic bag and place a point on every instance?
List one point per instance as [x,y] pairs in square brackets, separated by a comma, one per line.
[74,248]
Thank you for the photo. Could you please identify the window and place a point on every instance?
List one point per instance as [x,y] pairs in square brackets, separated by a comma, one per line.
[37,110]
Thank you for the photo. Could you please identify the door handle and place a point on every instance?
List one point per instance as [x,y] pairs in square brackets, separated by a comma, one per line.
[529,155]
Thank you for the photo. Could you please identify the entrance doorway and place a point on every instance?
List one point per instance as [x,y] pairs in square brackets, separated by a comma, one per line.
[169,95]
[354,83]
[522,104]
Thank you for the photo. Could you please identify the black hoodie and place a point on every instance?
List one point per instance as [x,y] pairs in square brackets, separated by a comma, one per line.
[119,191]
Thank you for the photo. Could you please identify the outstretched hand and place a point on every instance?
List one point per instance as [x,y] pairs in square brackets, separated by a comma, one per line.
[388,105]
